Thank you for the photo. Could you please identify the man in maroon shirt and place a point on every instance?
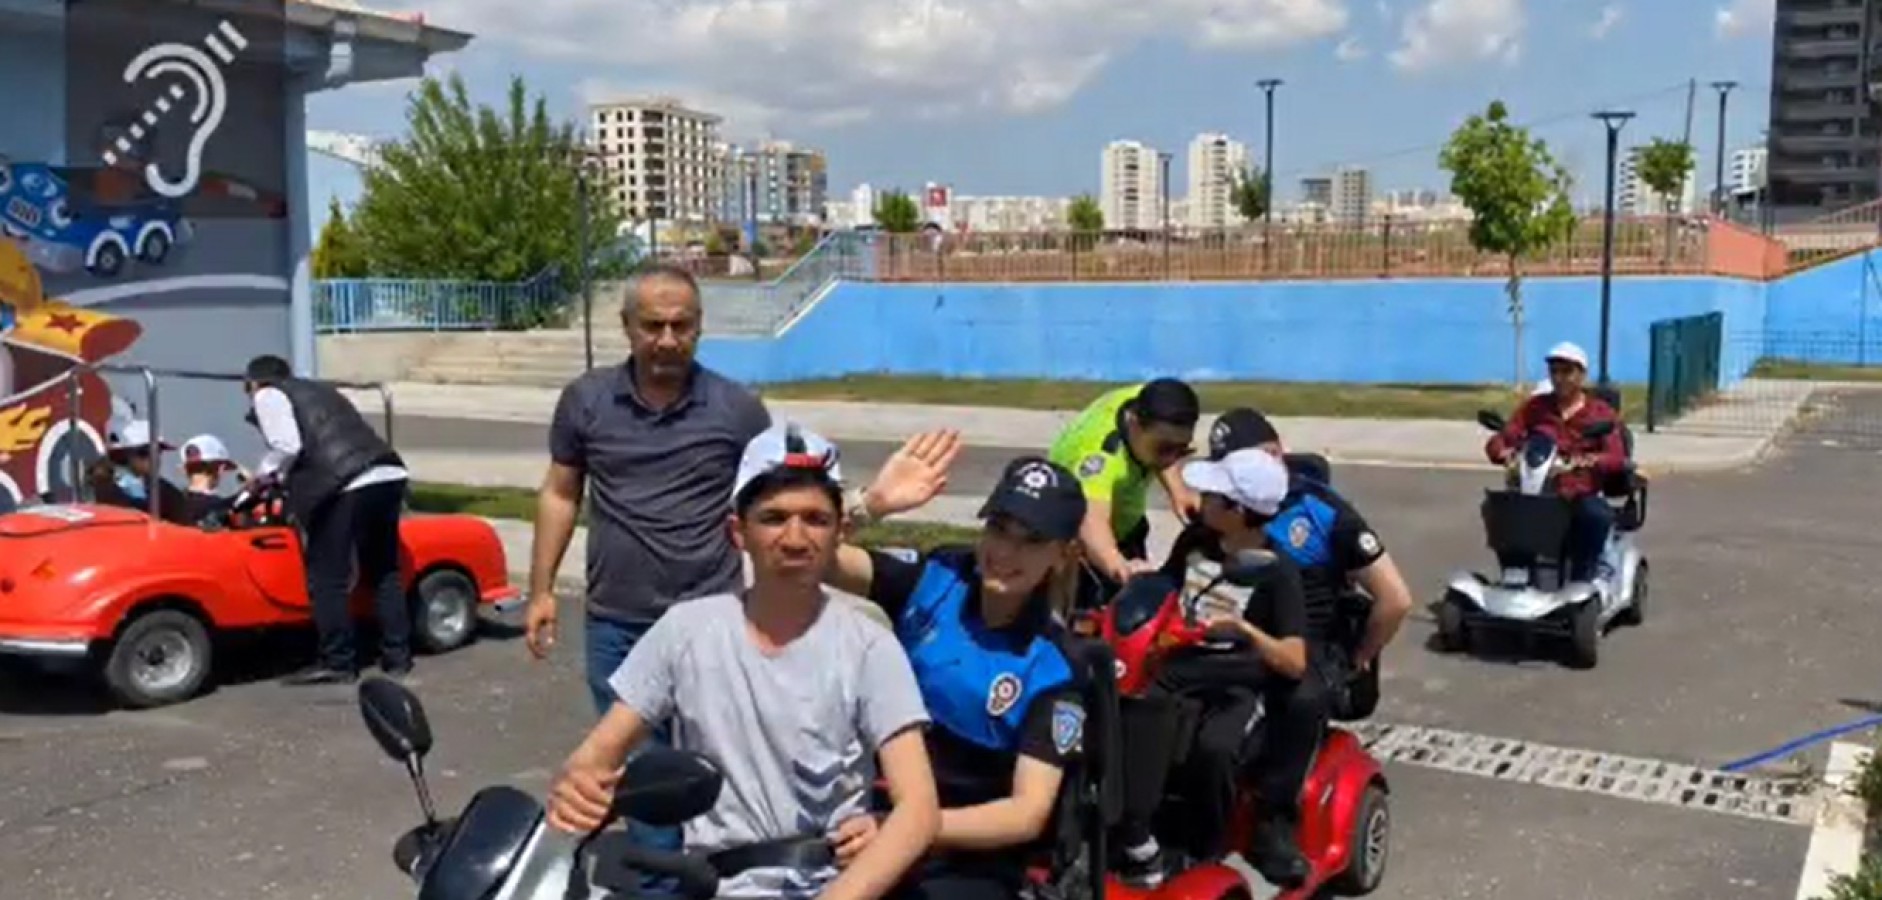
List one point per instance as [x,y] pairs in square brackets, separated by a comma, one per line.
[1564,413]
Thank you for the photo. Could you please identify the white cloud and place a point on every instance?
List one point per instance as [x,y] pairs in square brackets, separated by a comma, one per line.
[1444,32]
[846,59]
[1349,50]
[1742,17]
[1610,17]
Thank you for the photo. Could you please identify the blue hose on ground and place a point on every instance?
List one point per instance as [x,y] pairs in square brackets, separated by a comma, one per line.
[1807,740]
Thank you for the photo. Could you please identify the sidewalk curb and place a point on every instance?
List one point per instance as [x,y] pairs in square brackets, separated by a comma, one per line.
[1836,840]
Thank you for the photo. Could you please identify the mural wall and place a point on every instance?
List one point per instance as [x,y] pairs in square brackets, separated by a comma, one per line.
[143,222]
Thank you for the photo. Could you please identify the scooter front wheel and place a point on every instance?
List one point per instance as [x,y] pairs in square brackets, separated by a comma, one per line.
[1453,632]
[1585,635]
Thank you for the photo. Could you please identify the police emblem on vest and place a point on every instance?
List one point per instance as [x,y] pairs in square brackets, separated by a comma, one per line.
[978,684]
[1304,531]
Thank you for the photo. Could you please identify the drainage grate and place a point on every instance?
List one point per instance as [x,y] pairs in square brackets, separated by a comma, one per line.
[1792,801]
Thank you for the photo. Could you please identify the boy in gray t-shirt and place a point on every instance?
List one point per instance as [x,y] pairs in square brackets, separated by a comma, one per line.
[796,697]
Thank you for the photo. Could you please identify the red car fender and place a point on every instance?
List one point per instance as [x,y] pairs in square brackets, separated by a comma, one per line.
[106,611]
[1344,771]
[461,542]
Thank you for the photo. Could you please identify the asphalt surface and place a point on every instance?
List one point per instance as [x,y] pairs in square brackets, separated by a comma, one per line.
[1761,628]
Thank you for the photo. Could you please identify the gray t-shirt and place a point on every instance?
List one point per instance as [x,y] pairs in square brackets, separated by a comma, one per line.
[795,734]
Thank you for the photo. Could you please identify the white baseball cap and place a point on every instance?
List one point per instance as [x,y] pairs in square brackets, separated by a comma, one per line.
[135,435]
[1568,351]
[785,445]
[205,448]
[1252,478]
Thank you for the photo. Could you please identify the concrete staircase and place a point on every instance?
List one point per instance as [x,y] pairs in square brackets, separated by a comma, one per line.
[550,357]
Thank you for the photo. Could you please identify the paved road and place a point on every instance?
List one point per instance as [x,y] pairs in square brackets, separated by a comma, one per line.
[1762,627]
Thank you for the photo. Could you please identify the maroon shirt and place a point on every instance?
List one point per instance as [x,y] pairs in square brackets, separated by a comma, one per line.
[1541,413]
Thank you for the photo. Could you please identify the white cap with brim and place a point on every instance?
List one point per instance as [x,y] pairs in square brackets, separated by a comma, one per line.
[206,448]
[135,435]
[1568,351]
[1251,478]
[785,445]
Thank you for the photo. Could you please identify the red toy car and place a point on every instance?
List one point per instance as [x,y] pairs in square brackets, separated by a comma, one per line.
[1345,819]
[139,600]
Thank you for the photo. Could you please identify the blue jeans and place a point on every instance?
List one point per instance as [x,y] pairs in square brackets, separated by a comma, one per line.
[608,643]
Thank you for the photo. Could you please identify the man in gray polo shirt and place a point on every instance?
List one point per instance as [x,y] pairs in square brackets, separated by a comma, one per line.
[659,439]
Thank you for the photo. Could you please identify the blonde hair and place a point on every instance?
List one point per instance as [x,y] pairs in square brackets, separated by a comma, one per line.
[1062,584]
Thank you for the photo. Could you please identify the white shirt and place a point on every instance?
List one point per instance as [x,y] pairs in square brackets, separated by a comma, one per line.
[274,412]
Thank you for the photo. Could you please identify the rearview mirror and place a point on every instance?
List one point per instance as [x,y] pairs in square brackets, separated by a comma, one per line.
[1490,420]
[395,718]
[1599,429]
[1245,567]
[665,788]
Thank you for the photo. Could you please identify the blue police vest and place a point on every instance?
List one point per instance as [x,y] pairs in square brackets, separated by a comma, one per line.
[1304,530]
[977,682]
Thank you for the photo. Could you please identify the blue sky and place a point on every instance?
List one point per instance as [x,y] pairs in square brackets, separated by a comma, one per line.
[1019,96]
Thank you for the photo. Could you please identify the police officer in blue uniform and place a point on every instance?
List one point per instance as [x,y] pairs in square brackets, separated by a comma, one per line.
[980,628]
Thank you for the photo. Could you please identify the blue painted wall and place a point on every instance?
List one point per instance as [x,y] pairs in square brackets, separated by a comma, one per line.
[1423,331]
[1829,314]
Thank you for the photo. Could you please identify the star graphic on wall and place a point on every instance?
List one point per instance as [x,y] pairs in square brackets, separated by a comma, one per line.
[65,322]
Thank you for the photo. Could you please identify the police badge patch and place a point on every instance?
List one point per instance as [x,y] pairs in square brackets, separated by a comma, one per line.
[1298,532]
[1068,727]
[1091,465]
[1004,693]
[1368,543]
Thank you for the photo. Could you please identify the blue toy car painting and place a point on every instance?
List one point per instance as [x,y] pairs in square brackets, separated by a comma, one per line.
[62,233]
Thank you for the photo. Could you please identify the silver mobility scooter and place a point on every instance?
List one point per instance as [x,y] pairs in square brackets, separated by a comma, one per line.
[1527,526]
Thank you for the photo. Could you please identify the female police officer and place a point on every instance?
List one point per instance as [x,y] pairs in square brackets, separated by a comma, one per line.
[978,624]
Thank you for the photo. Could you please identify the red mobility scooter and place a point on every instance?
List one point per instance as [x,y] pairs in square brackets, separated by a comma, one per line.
[1345,823]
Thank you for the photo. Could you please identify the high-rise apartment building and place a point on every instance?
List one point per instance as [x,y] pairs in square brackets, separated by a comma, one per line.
[1317,190]
[1352,195]
[791,183]
[1745,173]
[659,156]
[1130,189]
[1633,197]
[1823,134]
[1216,165]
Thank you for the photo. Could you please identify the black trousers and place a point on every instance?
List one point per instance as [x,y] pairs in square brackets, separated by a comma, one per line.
[940,882]
[363,525]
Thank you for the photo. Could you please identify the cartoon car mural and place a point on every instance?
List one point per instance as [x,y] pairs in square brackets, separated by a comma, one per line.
[47,429]
[63,234]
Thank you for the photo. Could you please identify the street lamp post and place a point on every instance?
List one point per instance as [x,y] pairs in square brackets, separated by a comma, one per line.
[1614,119]
[1267,86]
[1163,162]
[1718,176]
[584,155]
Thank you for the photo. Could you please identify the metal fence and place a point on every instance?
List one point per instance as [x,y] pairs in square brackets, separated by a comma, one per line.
[1386,249]
[412,304]
[1821,388]
[1683,368]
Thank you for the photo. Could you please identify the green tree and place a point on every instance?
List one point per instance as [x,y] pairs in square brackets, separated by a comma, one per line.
[1517,194]
[1664,167]
[339,253]
[477,193]
[897,213]
[1084,215]
[1250,193]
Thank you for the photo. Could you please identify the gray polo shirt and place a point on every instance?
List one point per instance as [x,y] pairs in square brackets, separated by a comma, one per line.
[659,486]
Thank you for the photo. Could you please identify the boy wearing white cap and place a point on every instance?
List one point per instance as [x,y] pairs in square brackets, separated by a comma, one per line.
[123,476]
[206,461]
[1565,413]
[799,699]
[1240,493]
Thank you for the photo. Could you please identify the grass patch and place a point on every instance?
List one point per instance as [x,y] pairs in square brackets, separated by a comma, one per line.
[520,504]
[1796,370]
[1385,401]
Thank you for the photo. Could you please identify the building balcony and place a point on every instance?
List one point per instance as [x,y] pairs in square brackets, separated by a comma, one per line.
[1808,79]
[1800,143]
[1827,15]
[1819,48]
[1819,111]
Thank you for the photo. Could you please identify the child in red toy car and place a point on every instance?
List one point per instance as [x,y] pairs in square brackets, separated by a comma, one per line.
[1239,495]
[122,477]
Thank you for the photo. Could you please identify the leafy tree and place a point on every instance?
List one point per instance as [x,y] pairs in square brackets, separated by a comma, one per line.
[897,213]
[1250,193]
[1664,167]
[1517,194]
[1084,215]
[339,252]
[477,193]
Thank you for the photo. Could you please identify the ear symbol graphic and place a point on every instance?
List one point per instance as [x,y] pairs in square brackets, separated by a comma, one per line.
[212,101]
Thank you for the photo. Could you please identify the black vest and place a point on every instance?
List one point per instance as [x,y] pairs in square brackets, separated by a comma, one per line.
[337,445]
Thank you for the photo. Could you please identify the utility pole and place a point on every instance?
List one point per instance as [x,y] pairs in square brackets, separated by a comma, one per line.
[1718,174]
